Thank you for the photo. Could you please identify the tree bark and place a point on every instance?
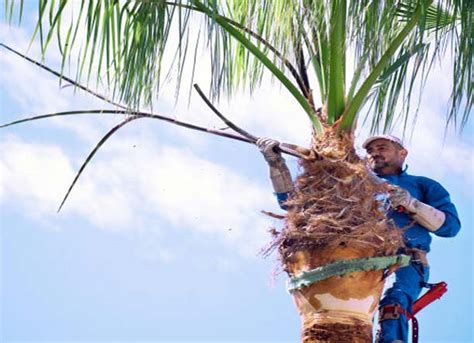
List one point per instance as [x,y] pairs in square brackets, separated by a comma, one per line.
[333,216]
[339,308]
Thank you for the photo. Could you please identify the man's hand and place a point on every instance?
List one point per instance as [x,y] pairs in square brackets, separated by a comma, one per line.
[401,197]
[267,148]
[427,216]
[279,173]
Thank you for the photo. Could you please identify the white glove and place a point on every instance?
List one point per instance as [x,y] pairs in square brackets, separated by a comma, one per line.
[266,147]
[401,197]
[279,172]
[427,216]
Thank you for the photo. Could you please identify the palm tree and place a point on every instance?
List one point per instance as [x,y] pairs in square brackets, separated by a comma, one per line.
[337,244]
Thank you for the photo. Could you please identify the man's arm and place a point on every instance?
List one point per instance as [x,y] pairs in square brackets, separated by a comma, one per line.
[279,173]
[438,197]
[437,213]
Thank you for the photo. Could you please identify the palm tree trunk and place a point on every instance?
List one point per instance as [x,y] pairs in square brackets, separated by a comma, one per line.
[339,308]
[332,217]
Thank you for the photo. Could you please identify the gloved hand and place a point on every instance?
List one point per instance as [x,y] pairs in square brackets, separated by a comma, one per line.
[279,172]
[266,147]
[401,197]
[427,216]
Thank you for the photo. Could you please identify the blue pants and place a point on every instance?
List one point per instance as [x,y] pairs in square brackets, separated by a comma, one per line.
[405,291]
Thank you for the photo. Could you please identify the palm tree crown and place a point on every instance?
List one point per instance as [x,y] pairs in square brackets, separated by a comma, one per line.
[299,42]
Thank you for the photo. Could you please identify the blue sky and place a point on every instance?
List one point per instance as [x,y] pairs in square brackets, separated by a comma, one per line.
[160,239]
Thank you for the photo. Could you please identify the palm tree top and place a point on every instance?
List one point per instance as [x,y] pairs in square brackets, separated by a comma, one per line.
[304,44]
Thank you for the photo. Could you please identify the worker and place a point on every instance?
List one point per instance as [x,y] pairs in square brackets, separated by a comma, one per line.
[418,204]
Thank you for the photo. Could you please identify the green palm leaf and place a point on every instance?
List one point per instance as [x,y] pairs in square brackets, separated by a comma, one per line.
[127,42]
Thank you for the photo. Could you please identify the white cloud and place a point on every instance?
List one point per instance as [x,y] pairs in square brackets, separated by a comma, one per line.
[432,146]
[37,177]
[191,192]
[38,181]
[125,189]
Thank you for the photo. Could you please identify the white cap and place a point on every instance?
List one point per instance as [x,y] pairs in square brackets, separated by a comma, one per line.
[386,137]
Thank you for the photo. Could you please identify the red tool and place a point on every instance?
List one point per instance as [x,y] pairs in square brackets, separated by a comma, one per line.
[401,209]
[436,291]
[393,311]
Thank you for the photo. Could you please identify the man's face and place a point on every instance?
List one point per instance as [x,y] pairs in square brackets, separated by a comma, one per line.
[385,157]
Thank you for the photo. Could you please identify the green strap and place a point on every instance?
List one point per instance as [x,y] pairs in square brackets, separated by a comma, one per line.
[343,267]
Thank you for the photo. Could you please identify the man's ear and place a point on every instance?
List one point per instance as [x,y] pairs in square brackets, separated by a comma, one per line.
[403,153]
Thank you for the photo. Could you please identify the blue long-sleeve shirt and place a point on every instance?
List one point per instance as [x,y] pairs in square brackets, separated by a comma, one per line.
[427,191]
[431,193]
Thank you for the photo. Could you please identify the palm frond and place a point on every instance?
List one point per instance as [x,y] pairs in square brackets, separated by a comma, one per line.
[449,28]
[229,29]
[360,97]
[337,61]
[92,154]
[395,42]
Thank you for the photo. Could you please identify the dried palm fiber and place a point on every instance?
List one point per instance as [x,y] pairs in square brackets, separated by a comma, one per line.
[333,215]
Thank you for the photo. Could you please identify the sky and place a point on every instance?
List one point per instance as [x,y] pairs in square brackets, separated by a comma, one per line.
[160,239]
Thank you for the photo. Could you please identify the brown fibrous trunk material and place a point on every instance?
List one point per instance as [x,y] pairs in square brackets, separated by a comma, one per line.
[333,215]
[334,202]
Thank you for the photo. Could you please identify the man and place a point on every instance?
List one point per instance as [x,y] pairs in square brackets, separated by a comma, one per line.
[418,204]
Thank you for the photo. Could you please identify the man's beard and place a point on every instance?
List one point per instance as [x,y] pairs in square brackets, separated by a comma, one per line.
[379,164]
